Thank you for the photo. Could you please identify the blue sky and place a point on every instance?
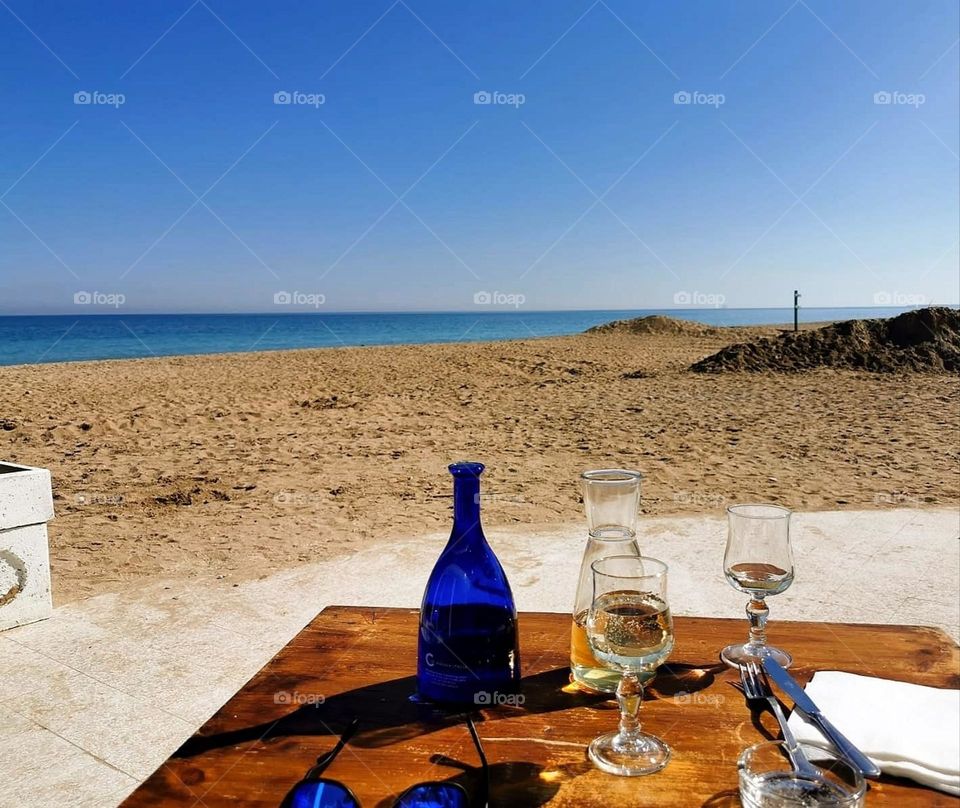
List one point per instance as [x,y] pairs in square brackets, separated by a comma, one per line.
[586,182]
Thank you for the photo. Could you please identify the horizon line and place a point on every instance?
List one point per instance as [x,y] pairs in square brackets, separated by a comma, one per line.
[503,310]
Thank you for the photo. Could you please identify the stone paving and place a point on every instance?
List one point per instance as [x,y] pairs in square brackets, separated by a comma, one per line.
[95,698]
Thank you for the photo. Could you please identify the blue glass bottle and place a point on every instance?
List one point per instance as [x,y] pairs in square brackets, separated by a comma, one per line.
[468,650]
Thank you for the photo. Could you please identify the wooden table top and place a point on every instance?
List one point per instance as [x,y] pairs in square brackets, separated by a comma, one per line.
[359,662]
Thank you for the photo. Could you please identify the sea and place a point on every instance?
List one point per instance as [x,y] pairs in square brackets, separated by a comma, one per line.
[26,340]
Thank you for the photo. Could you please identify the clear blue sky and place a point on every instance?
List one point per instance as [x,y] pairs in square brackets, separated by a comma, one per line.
[504,197]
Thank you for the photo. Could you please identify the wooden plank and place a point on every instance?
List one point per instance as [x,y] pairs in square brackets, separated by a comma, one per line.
[359,662]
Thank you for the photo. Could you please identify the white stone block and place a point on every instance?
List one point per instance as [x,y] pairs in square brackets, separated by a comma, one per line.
[26,505]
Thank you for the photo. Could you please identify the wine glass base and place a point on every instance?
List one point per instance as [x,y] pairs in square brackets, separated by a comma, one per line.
[644,755]
[737,655]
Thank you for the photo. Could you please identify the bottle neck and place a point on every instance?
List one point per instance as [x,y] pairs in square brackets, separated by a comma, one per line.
[466,504]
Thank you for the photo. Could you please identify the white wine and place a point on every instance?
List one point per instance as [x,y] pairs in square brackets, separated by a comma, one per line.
[632,630]
[765,579]
[588,671]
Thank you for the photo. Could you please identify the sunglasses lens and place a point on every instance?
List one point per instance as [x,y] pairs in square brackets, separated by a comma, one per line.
[434,795]
[322,794]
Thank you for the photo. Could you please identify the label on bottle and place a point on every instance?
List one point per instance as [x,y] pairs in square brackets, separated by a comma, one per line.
[468,655]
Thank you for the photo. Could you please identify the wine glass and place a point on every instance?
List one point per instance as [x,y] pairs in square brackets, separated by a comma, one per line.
[630,630]
[759,562]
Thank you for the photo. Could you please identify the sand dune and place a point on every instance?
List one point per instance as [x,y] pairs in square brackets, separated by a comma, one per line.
[923,340]
[240,464]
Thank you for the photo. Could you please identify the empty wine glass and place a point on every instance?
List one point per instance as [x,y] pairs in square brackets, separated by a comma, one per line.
[630,630]
[759,562]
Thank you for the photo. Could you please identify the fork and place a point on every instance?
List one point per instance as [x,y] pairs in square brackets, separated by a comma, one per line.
[757,688]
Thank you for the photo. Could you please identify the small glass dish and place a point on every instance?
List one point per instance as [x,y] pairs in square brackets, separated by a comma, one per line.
[767,780]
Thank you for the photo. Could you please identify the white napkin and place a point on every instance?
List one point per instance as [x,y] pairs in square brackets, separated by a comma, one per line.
[907,730]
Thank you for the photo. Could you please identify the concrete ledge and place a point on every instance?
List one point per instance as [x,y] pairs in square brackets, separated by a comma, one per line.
[26,505]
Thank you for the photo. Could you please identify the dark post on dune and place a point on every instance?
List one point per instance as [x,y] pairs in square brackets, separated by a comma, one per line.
[796,309]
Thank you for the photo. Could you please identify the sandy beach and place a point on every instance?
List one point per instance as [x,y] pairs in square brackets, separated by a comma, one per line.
[234,466]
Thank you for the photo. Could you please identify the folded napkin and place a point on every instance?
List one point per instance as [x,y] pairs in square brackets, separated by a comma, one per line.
[907,730]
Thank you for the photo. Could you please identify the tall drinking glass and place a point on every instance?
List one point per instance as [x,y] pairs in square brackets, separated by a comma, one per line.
[630,630]
[759,562]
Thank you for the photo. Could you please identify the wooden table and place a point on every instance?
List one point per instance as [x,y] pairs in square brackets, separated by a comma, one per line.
[360,662]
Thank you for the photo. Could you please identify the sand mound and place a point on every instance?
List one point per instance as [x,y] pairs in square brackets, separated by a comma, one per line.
[923,340]
[654,324]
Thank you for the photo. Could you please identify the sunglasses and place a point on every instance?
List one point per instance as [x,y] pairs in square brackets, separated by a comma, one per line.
[317,791]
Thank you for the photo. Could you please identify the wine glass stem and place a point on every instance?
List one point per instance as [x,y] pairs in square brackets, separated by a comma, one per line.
[629,697]
[758,612]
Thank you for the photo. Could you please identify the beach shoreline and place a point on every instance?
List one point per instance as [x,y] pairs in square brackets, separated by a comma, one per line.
[746,331]
[240,464]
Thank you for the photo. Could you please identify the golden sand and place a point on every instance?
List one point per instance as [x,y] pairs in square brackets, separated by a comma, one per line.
[238,465]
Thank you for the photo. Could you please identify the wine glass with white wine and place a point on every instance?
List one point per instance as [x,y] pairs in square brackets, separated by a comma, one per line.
[759,562]
[630,630]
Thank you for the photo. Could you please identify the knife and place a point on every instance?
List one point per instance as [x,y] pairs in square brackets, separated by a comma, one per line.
[807,706]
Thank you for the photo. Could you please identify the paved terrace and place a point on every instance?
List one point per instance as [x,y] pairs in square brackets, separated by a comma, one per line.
[95,698]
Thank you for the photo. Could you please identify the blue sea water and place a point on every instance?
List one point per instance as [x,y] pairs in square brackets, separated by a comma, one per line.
[66,338]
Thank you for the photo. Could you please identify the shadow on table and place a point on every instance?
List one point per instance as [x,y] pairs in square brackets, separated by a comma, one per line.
[387,714]
[680,678]
[757,709]
[513,783]
[724,799]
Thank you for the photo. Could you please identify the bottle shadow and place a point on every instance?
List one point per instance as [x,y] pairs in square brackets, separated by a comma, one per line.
[388,715]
